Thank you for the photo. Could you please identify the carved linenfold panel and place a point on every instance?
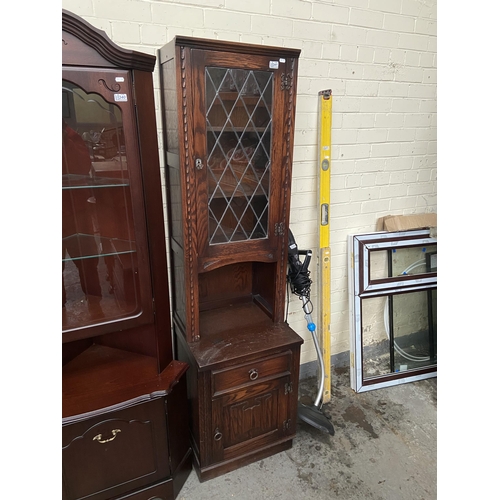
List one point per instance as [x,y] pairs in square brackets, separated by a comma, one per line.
[251,418]
[255,403]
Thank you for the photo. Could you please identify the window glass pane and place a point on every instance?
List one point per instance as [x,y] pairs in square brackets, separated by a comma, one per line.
[414,329]
[393,262]
[239,128]
[379,264]
[99,264]
[412,319]
[374,337]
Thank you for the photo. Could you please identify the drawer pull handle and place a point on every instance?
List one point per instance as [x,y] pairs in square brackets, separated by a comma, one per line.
[218,435]
[253,374]
[99,439]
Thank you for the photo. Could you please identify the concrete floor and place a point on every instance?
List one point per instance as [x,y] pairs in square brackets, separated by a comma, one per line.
[384,448]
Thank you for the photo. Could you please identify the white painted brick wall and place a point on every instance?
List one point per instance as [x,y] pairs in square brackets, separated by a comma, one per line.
[379,59]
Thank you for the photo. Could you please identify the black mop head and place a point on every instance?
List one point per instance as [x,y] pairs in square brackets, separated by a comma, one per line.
[312,415]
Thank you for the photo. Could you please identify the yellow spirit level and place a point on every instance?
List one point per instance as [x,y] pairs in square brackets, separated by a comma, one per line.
[325,128]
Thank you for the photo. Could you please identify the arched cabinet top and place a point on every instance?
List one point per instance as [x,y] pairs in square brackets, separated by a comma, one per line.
[83,44]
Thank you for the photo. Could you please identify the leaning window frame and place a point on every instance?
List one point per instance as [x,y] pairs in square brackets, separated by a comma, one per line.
[362,286]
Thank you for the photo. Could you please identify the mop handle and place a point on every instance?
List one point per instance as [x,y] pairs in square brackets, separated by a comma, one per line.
[305,307]
[311,327]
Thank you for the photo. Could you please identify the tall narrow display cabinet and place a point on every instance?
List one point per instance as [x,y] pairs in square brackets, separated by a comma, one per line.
[228,117]
[124,398]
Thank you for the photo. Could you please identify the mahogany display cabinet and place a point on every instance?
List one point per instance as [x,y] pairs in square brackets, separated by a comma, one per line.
[124,397]
[228,119]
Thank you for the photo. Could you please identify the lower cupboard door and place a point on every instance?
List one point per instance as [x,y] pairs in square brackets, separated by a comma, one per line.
[250,418]
[115,453]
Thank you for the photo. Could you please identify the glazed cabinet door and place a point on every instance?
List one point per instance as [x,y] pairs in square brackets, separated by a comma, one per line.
[105,263]
[239,124]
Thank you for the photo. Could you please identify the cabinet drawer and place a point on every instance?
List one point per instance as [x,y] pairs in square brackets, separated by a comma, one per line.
[116,452]
[229,378]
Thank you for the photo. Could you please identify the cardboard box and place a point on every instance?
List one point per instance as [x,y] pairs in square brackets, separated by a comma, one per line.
[407,222]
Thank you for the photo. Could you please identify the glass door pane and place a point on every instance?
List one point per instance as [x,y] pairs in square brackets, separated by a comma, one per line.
[411,261]
[99,264]
[399,333]
[239,129]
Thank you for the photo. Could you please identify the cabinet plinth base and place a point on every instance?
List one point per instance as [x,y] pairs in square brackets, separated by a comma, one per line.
[216,470]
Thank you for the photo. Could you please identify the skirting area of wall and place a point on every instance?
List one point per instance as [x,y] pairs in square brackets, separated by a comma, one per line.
[310,369]
[381,349]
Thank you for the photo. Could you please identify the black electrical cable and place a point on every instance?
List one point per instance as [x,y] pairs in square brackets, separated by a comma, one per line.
[298,273]
[300,283]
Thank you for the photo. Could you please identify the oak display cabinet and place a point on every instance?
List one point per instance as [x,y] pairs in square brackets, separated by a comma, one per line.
[228,120]
[124,397]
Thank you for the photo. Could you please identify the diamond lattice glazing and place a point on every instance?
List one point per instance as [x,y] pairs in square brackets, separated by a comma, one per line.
[239,126]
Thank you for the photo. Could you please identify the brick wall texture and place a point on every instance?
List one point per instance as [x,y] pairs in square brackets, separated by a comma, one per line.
[379,59]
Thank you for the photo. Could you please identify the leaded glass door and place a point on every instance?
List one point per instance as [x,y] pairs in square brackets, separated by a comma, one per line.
[238,168]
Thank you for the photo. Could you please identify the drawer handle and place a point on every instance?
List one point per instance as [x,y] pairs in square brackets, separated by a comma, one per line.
[253,374]
[218,435]
[99,439]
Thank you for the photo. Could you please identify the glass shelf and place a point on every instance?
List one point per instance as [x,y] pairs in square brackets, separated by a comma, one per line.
[221,128]
[76,181]
[80,242]
[246,98]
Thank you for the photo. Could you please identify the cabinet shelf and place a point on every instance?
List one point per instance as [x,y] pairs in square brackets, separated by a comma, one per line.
[247,343]
[75,181]
[131,378]
[81,242]
[241,190]
[222,128]
[233,97]
[233,318]
[239,332]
